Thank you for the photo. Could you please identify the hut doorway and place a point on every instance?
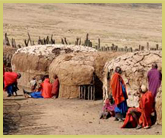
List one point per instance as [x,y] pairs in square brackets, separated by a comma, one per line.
[92,91]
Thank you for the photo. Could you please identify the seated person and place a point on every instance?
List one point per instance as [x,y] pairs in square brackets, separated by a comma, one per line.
[33,84]
[39,83]
[55,86]
[141,116]
[108,108]
[46,89]
[10,82]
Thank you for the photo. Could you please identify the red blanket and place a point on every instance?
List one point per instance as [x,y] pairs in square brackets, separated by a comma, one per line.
[117,88]
[142,114]
[55,87]
[46,89]
[146,108]
[9,78]
[132,118]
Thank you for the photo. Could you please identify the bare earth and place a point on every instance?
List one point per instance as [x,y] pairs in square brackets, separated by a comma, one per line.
[121,24]
[61,117]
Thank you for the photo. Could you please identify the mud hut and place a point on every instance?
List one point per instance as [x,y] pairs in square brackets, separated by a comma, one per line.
[7,56]
[135,67]
[35,60]
[81,74]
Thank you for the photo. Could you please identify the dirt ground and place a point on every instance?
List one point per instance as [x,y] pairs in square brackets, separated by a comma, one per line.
[121,24]
[61,117]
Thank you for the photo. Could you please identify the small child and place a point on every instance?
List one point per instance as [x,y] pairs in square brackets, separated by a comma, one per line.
[39,82]
[33,84]
[108,109]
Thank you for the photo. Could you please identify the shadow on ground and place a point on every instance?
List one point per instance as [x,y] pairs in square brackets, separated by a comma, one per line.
[15,117]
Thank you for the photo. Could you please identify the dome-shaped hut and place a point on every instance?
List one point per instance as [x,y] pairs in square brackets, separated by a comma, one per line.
[35,60]
[135,67]
[80,74]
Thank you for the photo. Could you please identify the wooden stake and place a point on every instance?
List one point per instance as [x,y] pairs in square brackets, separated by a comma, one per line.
[65,41]
[84,92]
[93,92]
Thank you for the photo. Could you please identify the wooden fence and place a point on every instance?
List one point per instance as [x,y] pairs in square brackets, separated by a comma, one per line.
[78,41]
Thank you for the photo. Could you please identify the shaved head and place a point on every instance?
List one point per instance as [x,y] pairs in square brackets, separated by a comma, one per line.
[118,70]
[154,65]
[55,76]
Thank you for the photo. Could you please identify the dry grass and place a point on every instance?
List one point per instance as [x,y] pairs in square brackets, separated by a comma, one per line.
[129,24]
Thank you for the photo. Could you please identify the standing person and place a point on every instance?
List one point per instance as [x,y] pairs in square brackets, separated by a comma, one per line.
[55,86]
[10,82]
[46,89]
[154,79]
[119,94]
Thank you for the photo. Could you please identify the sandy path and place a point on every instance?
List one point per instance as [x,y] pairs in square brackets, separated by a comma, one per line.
[61,117]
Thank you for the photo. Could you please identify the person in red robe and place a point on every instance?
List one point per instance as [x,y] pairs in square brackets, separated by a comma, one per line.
[10,81]
[119,94]
[141,116]
[46,89]
[146,107]
[55,86]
